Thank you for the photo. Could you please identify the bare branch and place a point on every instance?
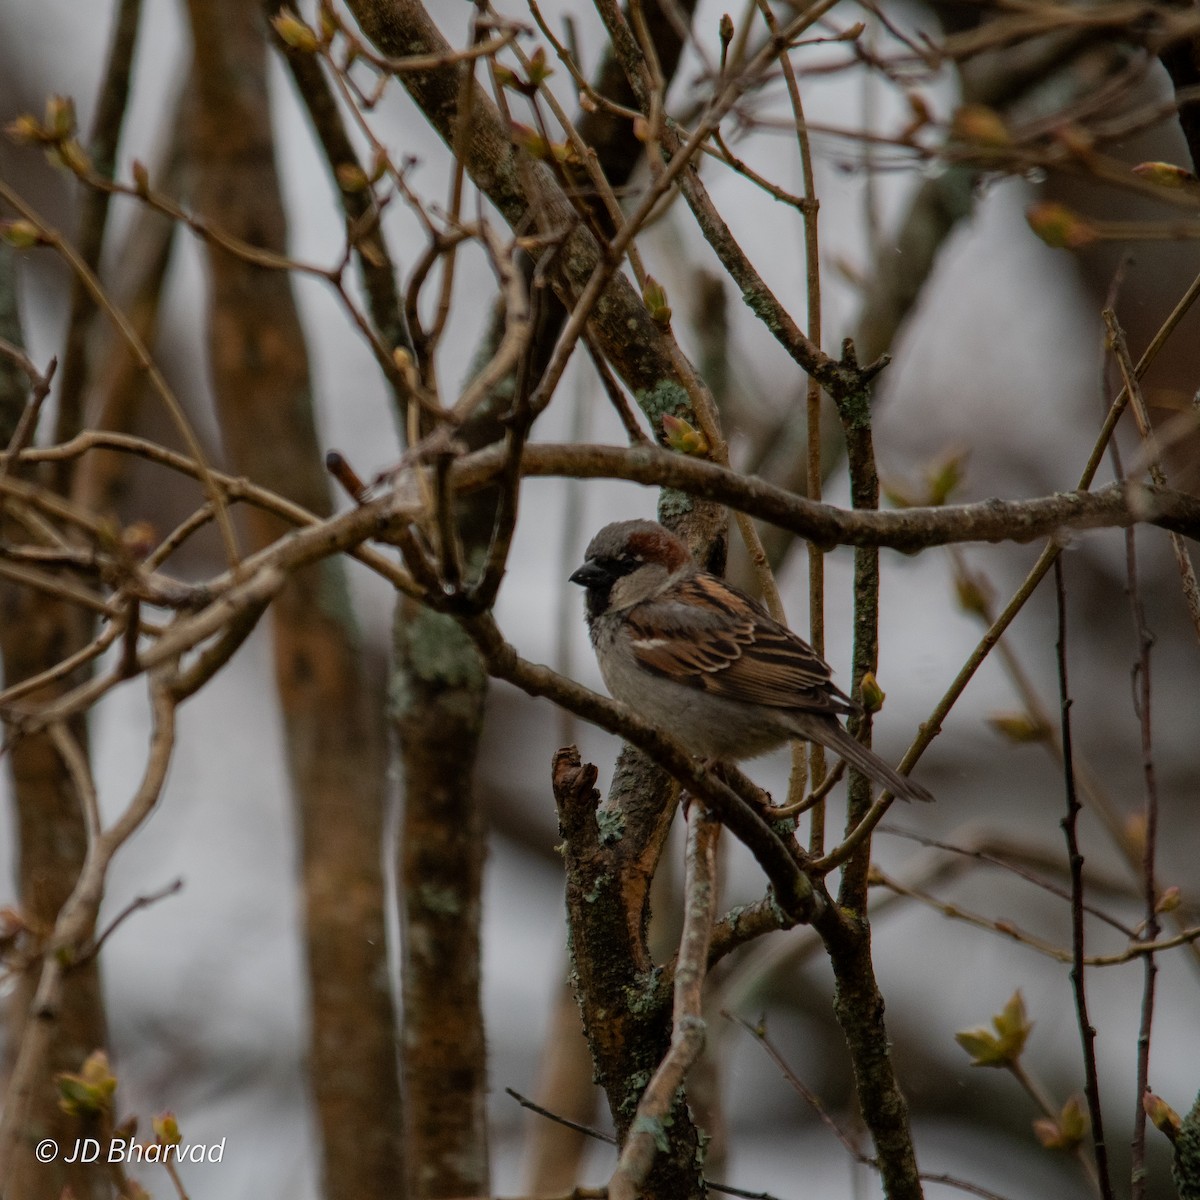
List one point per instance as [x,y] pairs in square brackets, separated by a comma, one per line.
[687,1038]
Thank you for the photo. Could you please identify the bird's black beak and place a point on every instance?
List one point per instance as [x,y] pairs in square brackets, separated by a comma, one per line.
[591,574]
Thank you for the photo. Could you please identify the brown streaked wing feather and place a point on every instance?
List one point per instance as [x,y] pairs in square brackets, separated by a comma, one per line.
[707,638]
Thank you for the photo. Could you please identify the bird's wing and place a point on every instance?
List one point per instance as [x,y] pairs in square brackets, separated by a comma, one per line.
[703,633]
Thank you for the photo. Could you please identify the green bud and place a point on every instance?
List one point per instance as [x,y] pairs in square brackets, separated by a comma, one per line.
[89,1092]
[873,695]
[655,297]
[1064,1132]
[1165,174]
[166,1129]
[1018,727]
[539,72]
[21,234]
[1003,1047]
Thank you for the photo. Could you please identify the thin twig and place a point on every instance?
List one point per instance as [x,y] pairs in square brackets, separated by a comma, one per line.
[103,141]
[371,249]
[65,667]
[759,1033]
[235,488]
[612,389]
[813,467]
[1087,1031]
[136,345]
[586,1130]
[39,389]
[687,1037]
[932,727]
[1141,706]
[135,905]
[992,857]
[75,924]
[1137,405]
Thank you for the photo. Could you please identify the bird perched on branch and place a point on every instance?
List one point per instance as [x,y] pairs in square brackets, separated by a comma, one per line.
[704,662]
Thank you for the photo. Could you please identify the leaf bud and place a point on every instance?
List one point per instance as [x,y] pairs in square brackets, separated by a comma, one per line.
[982,125]
[1162,1116]
[21,234]
[1165,174]
[1020,727]
[654,296]
[294,32]
[1059,227]
[1003,1047]
[683,437]
[873,695]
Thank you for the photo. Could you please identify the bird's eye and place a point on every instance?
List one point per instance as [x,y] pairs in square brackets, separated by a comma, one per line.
[615,565]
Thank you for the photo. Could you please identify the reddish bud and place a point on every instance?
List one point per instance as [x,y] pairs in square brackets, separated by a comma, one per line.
[1162,1116]
[1165,174]
[684,438]
[139,539]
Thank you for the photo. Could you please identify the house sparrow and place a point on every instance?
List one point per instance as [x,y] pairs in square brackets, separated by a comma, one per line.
[704,662]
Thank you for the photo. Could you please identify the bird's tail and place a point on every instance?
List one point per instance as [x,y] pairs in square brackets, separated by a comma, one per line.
[833,736]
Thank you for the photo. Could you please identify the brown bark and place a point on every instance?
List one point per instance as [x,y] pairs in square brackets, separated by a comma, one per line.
[438,694]
[845,928]
[333,709]
[522,190]
[36,632]
[611,853]
[375,264]
[93,215]
[50,841]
